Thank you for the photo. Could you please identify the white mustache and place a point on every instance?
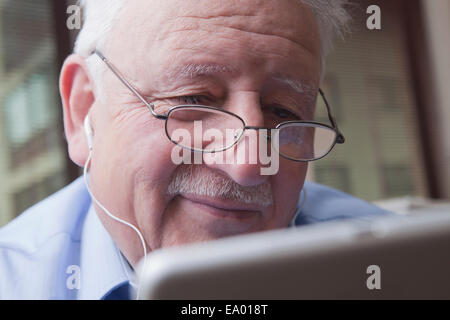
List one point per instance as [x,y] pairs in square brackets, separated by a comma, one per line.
[194,179]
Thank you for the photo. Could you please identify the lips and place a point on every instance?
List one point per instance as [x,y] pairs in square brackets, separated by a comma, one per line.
[223,208]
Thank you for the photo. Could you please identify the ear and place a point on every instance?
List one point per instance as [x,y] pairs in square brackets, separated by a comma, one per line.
[77,94]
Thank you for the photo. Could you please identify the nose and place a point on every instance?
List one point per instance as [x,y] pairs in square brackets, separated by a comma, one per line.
[242,161]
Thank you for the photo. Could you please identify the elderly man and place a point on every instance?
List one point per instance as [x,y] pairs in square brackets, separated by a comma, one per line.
[146,73]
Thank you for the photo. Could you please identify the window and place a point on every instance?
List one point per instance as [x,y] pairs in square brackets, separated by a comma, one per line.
[376,112]
[336,176]
[32,153]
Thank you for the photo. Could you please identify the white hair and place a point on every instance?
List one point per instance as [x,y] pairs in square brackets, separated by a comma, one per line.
[98,19]
[332,20]
[100,15]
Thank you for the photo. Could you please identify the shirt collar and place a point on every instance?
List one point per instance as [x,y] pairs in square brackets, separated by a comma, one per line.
[103,268]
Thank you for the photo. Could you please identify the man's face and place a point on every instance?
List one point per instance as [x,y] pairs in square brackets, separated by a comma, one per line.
[239,55]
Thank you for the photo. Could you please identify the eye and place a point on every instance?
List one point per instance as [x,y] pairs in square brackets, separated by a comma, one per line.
[194,99]
[282,113]
[165,104]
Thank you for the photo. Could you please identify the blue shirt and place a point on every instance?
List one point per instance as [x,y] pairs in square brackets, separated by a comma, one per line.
[59,249]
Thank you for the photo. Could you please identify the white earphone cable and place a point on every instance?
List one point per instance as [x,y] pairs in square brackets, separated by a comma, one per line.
[144,247]
[299,208]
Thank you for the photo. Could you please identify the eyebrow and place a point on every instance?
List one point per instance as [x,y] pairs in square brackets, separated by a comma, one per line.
[195,70]
[301,87]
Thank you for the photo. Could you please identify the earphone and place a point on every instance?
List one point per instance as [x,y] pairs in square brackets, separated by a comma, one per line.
[89,138]
[88,131]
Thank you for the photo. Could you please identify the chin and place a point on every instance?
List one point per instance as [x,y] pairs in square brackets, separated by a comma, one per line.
[197,234]
[186,221]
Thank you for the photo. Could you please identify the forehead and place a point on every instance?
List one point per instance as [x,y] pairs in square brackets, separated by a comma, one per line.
[148,30]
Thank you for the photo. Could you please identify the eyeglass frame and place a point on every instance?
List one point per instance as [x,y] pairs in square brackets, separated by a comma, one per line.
[339,139]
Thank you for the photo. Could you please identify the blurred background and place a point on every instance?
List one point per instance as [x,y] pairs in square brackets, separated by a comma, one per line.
[388,88]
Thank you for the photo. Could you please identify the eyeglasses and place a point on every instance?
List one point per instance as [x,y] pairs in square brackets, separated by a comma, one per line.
[297,140]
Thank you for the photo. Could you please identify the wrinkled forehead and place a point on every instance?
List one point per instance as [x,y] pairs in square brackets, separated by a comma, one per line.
[144,24]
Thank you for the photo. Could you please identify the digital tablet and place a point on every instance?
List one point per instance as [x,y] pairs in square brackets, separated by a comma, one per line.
[393,257]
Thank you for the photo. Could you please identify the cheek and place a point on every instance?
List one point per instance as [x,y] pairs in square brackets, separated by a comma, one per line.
[133,162]
[142,144]
[287,185]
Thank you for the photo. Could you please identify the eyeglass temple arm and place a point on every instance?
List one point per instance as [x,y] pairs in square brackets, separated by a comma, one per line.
[150,106]
[340,137]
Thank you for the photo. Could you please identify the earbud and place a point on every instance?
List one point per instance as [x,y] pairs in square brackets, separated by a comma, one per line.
[88,131]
